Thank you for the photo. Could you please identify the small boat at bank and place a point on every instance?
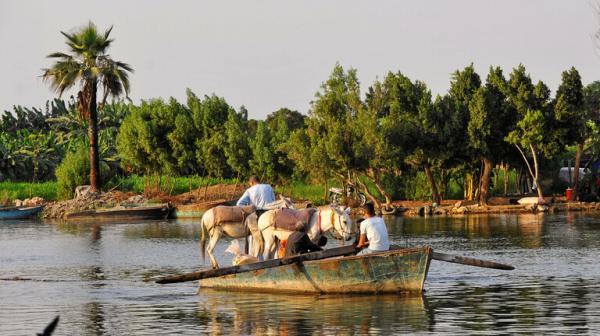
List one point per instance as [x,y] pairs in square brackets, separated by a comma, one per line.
[144,212]
[20,212]
[395,271]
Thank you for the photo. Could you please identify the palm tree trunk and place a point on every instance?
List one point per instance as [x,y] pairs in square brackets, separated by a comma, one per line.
[485,180]
[95,180]
[576,172]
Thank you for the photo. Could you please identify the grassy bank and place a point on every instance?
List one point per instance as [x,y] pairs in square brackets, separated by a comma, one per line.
[169,185]
[314,193]
[10,191]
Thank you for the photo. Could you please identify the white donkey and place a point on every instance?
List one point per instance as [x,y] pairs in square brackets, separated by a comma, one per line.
[236,230]
[330,218]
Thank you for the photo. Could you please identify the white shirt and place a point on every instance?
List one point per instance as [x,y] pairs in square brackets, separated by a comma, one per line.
[258,195]
[376,232]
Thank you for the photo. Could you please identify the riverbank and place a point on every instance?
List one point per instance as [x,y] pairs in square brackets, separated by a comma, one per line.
[86,200]
[195,195]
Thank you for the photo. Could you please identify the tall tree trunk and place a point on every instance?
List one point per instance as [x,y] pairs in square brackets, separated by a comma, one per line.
[505,166]
[467,187]
[518,181]
[576,172]
[434,192]
[496,173]
[95,179]
[443,185]
[485,180]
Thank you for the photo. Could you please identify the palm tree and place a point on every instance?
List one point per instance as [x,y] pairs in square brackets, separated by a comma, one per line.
[89,65]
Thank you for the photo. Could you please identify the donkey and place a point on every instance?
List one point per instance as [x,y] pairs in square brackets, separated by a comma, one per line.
[238,229]
[331,218]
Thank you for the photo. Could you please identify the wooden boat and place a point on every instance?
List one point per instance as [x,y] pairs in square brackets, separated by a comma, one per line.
[196,210]
[144,212]
[395,271]
[20,212]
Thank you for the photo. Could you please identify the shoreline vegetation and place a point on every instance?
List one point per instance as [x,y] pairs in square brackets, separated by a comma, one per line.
[182,192]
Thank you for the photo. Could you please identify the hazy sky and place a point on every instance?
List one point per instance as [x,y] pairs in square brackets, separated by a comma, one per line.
[275,53]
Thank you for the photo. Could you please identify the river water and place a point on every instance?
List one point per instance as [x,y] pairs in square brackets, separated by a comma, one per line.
[95,278]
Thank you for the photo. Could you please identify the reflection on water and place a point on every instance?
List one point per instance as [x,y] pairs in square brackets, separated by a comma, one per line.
[93,277]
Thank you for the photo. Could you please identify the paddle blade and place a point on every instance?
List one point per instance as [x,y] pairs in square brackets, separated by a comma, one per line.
[470,261]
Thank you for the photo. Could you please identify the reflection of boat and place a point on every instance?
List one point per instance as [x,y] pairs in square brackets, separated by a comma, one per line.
[20,212]
[262,313]
[396,271]
[196,210]
[145,212]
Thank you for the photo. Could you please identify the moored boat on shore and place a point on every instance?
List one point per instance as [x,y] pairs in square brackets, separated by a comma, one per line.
[395,271]
[144,212]
[20,212]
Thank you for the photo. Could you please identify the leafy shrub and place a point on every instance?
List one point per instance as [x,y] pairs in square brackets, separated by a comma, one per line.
[74,171]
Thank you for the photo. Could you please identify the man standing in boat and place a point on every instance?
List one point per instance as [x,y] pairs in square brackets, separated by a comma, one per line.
[258,195]
[373,232]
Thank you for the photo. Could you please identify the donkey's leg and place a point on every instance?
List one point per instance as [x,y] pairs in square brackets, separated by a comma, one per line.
[257,238]
[215,235]
[269,241]
[274,244]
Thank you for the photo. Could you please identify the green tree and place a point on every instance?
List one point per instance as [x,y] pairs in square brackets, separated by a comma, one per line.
[281,124]
[571,118]
[489,123]
[261,163]
[331,138]
[237,149]
[90,65]
[292,119]
[591,98]
[463,86]
[155,138]
[535,133]
[209,116]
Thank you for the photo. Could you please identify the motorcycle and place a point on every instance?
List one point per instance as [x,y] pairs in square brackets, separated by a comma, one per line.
[337,195]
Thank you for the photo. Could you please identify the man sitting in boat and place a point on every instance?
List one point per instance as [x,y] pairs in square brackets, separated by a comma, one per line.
[298,242]
[373,233]
[258,195]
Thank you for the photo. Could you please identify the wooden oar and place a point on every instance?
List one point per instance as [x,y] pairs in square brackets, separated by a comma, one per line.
[463,260]
[469,261]
[334,252]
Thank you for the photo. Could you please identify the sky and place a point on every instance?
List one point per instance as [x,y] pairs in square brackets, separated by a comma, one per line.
[268,54]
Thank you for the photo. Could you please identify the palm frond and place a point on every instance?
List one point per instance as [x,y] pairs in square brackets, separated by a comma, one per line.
[107,32]
[60,55]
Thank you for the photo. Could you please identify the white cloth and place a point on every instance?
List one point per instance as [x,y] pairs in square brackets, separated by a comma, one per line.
[376,232]
[258,195]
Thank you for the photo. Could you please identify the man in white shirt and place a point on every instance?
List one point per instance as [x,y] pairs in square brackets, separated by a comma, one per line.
[258,195]
[373,232]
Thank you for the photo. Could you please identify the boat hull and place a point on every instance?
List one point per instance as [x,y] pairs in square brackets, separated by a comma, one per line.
[127,214]
[21,213]
[397,271]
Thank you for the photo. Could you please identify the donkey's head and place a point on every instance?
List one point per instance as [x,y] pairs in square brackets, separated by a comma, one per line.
[342,224]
